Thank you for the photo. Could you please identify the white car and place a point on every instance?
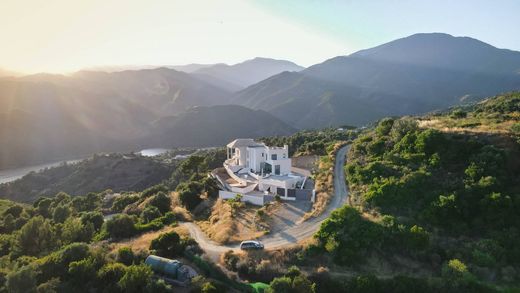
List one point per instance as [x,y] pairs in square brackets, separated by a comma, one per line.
[251,244]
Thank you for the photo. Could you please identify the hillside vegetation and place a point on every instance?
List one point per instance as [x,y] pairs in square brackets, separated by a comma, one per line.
[101,172]
[426,202]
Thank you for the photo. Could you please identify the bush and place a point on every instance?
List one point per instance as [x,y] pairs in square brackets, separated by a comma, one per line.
[136,278]
[458,114]
[74,230]
[124,200]
[82,271]
[168,245]
[22,280]
[36,237]
[158,286]
[454,269]
[125,255]
[150,213]
[231,260]
[95,218]
[109,275]
[189,194]
[121,226]
[154,190]
[161,201]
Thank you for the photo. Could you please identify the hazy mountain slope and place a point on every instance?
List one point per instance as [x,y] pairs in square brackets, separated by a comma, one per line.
[4,73]
[411,75]
[44,117]
[215,126]
[248,72]
[189,68]
[307,102]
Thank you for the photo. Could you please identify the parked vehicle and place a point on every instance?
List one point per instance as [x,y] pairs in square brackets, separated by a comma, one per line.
[251,244]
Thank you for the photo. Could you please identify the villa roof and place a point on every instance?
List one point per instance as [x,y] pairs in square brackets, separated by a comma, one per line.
[243,142]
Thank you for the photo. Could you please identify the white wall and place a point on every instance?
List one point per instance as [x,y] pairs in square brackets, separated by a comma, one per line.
[255,157]
[252,199]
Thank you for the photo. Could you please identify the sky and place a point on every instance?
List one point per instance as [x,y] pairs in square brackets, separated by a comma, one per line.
[68,35]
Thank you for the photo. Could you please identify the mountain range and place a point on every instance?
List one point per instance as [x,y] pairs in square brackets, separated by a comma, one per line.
[412,75]
[45,116]
[241,75]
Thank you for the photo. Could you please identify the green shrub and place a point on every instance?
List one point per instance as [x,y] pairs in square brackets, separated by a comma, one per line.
[125,255]
[121,226]
[161,201]
[136,278]
[168,245]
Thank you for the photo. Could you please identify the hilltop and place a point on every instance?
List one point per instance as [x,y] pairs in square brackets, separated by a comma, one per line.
[412,75]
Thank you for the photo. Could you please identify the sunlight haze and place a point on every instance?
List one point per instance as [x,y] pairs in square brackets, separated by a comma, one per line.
[64,35]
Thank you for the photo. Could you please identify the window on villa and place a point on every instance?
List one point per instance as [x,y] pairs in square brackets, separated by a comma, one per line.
[284,156]
[274,157]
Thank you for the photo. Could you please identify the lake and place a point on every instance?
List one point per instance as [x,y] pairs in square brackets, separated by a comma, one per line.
[153,152]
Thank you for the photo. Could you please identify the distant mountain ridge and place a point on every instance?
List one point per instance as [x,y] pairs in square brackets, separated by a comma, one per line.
[415,74]
[46,116]
[241,75]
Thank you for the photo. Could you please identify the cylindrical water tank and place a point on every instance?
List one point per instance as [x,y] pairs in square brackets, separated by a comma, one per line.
[165,266]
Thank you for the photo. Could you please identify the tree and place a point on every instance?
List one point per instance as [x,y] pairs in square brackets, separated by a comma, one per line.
[74,230]
[154,190]
[189,194]
[384,126]
[161,201]
[14,210]
[51,286]
[43,207]
[95,218]
[280,285]
[82,271]
[402,127]
[61,213]
[168,245]
[109,275]
[150,213]
[22,280]
[36,237]
[136,278]
[301,284]
[210,186]
[121,226]
[293,282]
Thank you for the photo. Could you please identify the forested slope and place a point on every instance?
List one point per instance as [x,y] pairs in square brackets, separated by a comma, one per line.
[439,202]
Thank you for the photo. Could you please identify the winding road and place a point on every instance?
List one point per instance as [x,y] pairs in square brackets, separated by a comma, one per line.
[295,233]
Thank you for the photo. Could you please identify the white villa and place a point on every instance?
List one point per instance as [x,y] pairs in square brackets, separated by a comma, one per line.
[258,172]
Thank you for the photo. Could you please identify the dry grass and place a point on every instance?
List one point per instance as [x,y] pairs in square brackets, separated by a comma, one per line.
[226,226]
[142,242]
[469,125]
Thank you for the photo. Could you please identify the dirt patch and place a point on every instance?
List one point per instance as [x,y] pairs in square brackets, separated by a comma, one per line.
[234,222]
[308,162]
